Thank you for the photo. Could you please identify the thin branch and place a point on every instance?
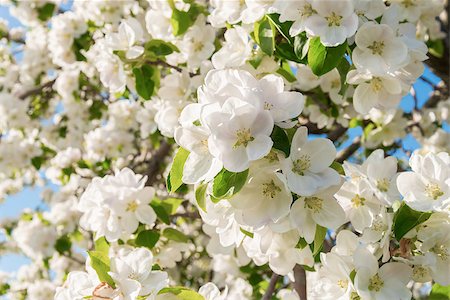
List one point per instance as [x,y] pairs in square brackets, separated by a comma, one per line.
[167,65]
[189,215]
[337,133]
[37,90]
[349,151]
[156,161]
[300,282]
[271,289]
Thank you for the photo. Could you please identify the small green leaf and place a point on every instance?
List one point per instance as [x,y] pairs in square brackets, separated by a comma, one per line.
[436,48]
[321,233]
[323,59]
[247,233]
[180,21]
[182,293]
[280,140]
[265,35]
[406,219]
[200,196]
[175,178]
[286,72]
[147,238]
[160,48]
[63,244]
[160,211]
[439,292]
[227,183]
[144,81]
[175,235]
[337,167]
[46,11]
[100,263]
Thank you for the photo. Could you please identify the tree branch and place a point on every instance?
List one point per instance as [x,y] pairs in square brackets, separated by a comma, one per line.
[300,282]
[271,288]
[156,161]
[349,151]
[37,90]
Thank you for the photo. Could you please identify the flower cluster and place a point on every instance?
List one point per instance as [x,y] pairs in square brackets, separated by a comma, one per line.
[226,149]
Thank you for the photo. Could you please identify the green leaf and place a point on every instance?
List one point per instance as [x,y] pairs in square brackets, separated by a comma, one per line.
[46,11]
[144,81]
[174,180]
[200,196]
[175,235]
[161,211]
[147,238]
[180,21]
[160,48]
[282,28]
[406,219]
[37,162]
[338,167]
[321,232]
[280,140]
[4,288]
[63,244]
[436,48]
[247,233]
[323,59]
[286,72]
[227,183]
[265,35]
[182,293]
[100,263]
[439,292]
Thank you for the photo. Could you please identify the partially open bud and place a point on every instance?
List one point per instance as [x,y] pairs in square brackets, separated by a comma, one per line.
[103,291]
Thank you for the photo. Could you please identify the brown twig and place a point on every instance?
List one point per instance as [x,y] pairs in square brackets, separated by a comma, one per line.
[37,90]
[349,151]
[156,161]
[271,289]
[300,282]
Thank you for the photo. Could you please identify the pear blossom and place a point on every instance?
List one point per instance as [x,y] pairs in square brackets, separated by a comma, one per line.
[235,51]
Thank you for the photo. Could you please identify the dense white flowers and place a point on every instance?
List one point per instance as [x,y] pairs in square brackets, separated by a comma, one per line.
[113,206]
[219,149]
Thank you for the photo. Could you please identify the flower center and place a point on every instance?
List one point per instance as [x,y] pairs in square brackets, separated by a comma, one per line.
[376,84]
[408,3]
[441,251]
[375,283]
[244,137]
[198,46]
[313,203]
[301,165]
[268,106]
[343,284]
[358,201]
[420,272]
[383,185]
[132,206]
[270,189]
[272,156]
[377,48]
[354,296]
[334,19]
[307,10]
[433,191]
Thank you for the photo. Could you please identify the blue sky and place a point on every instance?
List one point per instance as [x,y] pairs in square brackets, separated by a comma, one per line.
[30,197]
